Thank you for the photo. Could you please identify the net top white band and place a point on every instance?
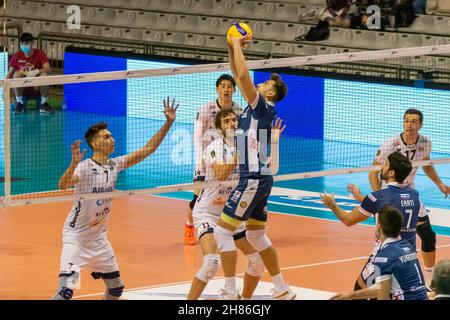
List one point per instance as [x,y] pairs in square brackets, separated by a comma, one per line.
[255,64]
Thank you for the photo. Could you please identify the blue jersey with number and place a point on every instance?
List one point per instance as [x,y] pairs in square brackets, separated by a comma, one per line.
[253,137]
[397,260]
[402,197]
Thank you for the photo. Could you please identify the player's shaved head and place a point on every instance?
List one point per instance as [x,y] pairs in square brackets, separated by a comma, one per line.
[92,132]
[390,221]
[441,277]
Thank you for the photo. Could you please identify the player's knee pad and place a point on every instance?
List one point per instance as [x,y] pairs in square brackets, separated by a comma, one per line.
[114,285]
[255,266]
[224,239]
[211,264]
[258,239]
[427,235]
[116,292]
[193,201]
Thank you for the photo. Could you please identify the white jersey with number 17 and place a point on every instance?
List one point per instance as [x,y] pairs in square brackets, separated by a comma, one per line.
[415,152]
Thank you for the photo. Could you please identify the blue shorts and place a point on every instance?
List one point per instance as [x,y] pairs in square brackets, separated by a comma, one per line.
[249,199]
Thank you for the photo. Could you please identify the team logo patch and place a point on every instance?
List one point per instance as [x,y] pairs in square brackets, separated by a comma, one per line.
[213,154]
[243,204]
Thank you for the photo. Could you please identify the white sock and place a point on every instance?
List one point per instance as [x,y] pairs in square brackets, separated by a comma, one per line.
[428,275]
[278,282]
[44,100]
[19,99]
[230,284]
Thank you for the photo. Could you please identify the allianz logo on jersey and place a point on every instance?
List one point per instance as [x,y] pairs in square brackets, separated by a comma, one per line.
[102,189]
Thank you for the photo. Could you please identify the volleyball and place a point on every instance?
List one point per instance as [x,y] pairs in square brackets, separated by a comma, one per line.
[238,30]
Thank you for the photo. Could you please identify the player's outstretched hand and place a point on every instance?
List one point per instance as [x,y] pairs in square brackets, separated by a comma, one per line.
[77,157]
[170,111]
[277,130]
[444,189]
[354,190]
[328,200]
[241,41]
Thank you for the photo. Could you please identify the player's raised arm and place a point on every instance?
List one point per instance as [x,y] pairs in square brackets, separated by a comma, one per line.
[241,72]
[277,130]
[374,178]
[69,178]
[233,69]
[153,144]
[349,218]
[430,171]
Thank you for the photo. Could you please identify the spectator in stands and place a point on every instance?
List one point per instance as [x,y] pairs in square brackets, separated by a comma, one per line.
[394,13]
[441,280]
[419,6]
[29,62]
[336,13]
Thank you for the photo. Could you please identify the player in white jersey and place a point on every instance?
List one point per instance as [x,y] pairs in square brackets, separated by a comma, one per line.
[204,133]
[85,243]
[416,147]
[221,165]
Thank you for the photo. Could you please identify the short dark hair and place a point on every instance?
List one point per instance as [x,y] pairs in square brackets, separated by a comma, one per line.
[401,165]
[26,37]
[225,77]
[222,114]
[441,277]
[391,221]
[281,88]
[414,111]
[92,132]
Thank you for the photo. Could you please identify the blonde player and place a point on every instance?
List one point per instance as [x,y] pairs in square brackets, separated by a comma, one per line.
[204,133]
[85,243]
[221,164]
[416,147]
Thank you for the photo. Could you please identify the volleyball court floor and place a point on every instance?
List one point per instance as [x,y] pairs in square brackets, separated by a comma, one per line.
[318,254]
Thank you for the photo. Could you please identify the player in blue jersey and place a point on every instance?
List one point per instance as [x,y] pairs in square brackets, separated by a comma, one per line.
[399,195]
[416,147]
[397,269]
[248,202]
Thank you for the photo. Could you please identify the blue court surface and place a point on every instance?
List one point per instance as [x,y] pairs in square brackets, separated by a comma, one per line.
[41,153]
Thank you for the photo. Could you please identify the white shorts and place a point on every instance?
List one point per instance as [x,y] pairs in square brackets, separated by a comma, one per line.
[96,256]
[205,222]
